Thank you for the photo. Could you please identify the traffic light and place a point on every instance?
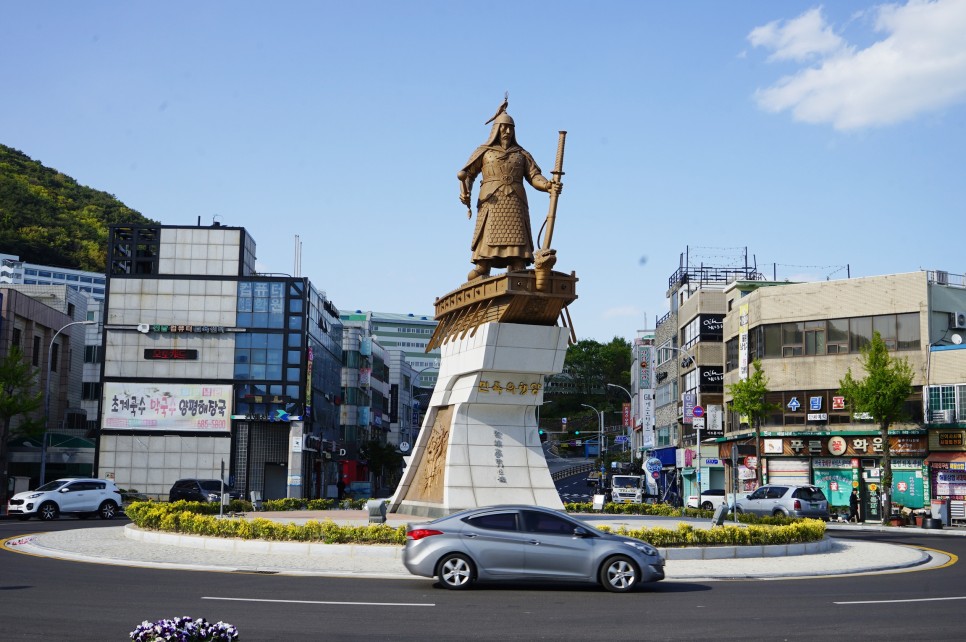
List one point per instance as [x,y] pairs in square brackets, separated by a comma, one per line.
[541,431]
[576,432]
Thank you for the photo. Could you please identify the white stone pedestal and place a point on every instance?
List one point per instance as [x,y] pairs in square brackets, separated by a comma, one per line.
[479,443]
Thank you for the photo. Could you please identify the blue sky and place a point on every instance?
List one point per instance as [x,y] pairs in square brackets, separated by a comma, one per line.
[816,136]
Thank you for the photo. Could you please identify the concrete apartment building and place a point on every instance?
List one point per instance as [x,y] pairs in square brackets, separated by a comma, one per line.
[685,353]
[807,336]
[46,322]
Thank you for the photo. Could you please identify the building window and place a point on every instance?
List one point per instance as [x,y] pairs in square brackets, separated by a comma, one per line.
[860,333]
[792,337]
[814,337]
[15,339]
[907,331]
[92,354]
[837,336]
[731,354]
[54,357]
[91,391]
[35,357]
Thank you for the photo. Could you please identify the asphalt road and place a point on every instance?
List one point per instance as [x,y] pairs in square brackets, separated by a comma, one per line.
[57,600]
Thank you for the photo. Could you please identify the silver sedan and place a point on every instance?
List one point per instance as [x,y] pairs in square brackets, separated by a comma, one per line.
[527,543]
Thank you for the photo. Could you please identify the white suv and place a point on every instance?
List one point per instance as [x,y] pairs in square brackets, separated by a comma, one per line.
[710,499]
[82,497]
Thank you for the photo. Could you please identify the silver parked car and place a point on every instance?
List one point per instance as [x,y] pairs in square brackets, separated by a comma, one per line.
[527,543]
[787,500]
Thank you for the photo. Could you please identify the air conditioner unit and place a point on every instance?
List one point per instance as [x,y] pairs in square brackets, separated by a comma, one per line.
[942,277]
[959,320]
[942,416]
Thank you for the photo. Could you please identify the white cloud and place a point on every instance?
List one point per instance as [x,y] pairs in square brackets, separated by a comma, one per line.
[918,66]
[803,38]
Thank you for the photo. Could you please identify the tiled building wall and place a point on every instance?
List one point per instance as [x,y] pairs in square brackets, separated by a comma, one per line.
[206,251]
[151,464]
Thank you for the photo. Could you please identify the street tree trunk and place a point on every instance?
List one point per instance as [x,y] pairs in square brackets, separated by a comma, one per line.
[886,479]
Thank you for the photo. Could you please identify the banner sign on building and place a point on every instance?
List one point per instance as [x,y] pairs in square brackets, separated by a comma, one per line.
[167,406]
[714,421]
[626,414]
[712,327]
[645,364]
[712,379]
[743,341]
[689,401]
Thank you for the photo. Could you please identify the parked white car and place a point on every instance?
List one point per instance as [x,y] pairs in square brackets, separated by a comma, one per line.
[710,499]
[82,497]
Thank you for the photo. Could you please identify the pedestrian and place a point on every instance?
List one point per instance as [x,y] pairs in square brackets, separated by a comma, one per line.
[854,506]
[341,487]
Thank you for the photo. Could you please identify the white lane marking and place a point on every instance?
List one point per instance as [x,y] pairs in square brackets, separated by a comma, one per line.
[922,599]
[253,599]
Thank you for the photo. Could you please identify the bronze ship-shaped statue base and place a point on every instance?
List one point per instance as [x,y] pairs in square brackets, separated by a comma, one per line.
[526,296]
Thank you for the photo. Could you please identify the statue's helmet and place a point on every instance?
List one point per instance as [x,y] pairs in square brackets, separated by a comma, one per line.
[504,119]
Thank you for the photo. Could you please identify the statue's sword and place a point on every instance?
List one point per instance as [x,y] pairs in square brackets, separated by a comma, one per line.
[554,195]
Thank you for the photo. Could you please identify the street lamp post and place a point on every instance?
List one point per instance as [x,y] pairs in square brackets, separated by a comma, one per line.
[600,431]
[630,398]
[50,357]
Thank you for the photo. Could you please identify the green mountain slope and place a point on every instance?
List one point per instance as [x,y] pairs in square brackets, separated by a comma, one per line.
[47,218]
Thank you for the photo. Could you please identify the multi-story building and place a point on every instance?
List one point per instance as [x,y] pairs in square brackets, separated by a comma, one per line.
[15,271]
[209,366]
[688,374]
[407,333]
[807,336]
[47,324]
[91,284]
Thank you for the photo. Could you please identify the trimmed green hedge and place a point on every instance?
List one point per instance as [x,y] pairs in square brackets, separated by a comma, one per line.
[666,510]
[804,530]
[197,518]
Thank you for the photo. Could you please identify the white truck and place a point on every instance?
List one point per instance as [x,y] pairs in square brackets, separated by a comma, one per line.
[631,489]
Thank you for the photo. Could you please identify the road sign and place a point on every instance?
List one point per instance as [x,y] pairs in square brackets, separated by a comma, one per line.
[697,411]
[620,439]
[698,423]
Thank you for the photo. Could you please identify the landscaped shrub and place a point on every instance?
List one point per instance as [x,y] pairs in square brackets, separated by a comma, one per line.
[192,518]
[805,530]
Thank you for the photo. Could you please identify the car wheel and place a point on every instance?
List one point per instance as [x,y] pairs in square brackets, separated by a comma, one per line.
[738,510]
[619,574]
[707,506]
[779,513]
[455,571]
[108,510]
[48,511]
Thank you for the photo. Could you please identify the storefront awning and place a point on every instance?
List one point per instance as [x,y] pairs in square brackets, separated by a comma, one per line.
[947,457]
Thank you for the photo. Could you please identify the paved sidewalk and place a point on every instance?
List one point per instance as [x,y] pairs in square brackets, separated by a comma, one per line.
[130,546]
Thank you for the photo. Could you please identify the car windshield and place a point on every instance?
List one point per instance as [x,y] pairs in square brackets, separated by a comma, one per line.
[810,494]
[625,482]
[54,485]
[212,484]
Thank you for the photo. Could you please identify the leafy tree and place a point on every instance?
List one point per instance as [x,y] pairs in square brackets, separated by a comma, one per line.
[748,400]
[19,396]
[883,393]
[588,367]
[385,462]
[47,218]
